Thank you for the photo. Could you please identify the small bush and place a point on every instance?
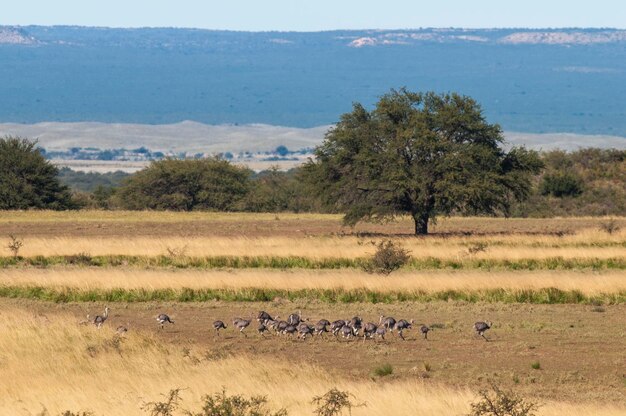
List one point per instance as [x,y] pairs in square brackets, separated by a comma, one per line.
[478,247]
[333,403]
[387,258]
[536,365]
[220,404]
[15,245]
[610,226]
[383,370]
[498,402]
[176,252]
[165,408]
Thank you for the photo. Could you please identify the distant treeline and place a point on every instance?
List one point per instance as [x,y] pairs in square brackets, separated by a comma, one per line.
[585,182]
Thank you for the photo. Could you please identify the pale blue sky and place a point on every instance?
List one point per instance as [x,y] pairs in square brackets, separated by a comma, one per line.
[312,15]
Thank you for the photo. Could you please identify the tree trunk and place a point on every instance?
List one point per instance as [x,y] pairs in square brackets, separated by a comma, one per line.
[421,224]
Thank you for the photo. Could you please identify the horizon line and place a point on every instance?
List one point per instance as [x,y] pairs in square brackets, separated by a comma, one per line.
[533,28]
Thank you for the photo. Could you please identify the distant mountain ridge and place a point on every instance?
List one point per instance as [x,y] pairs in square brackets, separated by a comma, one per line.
[528,80]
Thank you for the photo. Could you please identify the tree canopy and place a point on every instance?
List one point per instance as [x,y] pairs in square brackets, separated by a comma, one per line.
[421,154]
[27,179]
[185,185]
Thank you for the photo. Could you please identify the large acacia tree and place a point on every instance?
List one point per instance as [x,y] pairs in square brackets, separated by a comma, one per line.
[27,179]
[421,154]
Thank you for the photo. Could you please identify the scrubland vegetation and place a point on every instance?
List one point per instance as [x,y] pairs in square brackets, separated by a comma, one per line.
[553,288]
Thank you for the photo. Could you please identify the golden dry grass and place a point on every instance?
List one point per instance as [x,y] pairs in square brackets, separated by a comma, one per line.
[589,283]
[50,362]
[151,216]
[584,244]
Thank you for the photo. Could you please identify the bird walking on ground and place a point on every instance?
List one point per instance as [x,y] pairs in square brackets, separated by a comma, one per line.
[217,325]
[162,319]
[241,324]
[424,330]
[98,320]
[481,327]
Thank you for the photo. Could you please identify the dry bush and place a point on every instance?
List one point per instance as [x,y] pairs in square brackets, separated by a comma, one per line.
[221,404]
[498,402]
[15,245]
[387,258]
[333,403]
[611,226]
[176,252]
[166,407]
[477,247]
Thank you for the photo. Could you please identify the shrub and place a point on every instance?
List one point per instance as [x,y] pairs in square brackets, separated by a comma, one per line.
[387,258]
[220,404]
[165,408]
[383,370]
[27,179]
[15,245]
[478,247]
[610,226]
[561,184]
[536,365]
[333,403]
[498,402]
[185,185]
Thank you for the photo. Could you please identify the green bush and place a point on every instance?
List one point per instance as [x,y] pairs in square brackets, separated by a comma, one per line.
[185,185]
[561,184]
[383,370]
[27,179]
[387,258]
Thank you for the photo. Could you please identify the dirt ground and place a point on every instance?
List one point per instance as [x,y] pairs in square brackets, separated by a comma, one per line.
[580,349]
[291,225]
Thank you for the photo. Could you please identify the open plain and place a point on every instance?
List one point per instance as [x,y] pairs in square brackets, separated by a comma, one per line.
[553,288]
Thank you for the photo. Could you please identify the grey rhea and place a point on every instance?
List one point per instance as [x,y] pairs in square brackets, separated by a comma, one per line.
[162,319]
[218,325]
[481,327]
[98,320]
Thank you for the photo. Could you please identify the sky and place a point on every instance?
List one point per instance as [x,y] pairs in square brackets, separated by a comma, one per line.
[314,15]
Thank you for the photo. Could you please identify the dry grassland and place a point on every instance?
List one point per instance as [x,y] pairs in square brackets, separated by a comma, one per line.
[204,224]
[49,361]
[588,283]
[112,376]
[586,244]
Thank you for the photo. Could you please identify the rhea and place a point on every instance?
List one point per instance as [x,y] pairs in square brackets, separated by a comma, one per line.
[98,320]
[217,325]
[387,322]
[241,324]
[163,318]
[481,327]
[402,325]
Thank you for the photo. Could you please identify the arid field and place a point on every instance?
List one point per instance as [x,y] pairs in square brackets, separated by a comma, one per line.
[555,290]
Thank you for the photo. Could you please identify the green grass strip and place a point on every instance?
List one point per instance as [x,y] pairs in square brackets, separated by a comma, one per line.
[293,262]
[538,296]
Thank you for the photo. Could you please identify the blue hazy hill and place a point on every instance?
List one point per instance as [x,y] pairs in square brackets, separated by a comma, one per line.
[569,80]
